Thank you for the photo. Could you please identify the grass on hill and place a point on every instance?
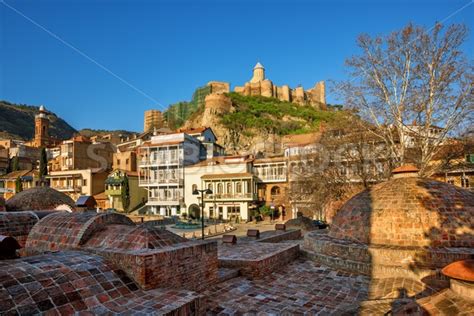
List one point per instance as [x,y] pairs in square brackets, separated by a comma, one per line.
[256,113]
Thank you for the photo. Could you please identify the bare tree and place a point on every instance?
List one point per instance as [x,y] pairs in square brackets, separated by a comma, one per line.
[347,160]
[408,82]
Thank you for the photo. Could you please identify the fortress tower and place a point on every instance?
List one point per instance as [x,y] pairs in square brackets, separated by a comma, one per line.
[41,128]
[260,86]
[258,73]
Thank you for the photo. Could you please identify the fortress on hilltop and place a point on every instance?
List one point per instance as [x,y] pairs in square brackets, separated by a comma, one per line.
[259,85]
[217,102]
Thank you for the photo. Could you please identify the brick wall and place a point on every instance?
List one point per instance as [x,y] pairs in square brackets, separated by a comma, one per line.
[192,265]
[17,225]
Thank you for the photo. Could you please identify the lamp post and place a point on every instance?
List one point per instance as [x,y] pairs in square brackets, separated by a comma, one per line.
[272,207]
[196,192]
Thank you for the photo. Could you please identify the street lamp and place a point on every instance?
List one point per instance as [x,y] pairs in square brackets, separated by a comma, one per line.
[196,192]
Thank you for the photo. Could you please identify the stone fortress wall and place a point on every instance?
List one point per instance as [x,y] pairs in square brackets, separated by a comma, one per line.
[217,102]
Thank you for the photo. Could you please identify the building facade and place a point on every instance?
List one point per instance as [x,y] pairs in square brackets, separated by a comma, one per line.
[153,119]
[161,170]
[233,185]
[114,186]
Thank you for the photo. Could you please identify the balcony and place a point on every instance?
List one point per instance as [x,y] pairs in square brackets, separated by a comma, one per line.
[273,178]
[157,182]
[164,201]
[160,162]
[230,196]
[67,188]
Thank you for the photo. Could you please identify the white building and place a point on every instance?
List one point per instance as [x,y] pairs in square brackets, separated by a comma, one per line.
[161,170]
[232,182]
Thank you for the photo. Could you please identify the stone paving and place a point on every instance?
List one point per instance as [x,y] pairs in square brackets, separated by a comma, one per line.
[300,287]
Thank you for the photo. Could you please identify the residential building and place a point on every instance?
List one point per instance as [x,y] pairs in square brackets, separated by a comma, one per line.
[273,182]
[4,160]
[161,170]
[233,185]
[114,187]
[80,152]
[29,179]
[125,160]
[208,139]
[234,195]
[78,182]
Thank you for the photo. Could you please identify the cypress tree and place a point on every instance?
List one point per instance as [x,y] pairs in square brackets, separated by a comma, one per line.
[43,166]
[18,185]
[125,193]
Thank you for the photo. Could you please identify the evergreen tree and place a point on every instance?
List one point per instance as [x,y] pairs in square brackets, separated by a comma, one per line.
[15,166]
[18,185]
[43,166]
[125,193]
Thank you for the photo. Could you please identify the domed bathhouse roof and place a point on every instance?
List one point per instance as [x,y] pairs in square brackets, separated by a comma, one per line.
[38,199]
[408,225]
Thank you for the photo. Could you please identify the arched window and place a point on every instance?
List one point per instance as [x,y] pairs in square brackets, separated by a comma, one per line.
[238,187]
[209,186]
[229,187]
[275,190]
[220,188]
[167,194]
[195,187]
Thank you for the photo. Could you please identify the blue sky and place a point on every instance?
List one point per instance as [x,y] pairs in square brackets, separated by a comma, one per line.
[163,50]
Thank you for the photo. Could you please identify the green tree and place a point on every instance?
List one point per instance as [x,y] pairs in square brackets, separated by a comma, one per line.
[43,166]
[15,166]
[18,185]
[125,193]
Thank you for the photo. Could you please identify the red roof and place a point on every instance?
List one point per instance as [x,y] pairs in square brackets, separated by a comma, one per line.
[405,169]
[461,270]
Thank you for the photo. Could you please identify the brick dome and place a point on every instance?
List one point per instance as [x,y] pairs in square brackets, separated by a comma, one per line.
[38,199]
[408,211]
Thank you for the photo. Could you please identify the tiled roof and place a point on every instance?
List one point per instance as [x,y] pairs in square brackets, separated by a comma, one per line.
[16,174]
[192,130]
[405,169]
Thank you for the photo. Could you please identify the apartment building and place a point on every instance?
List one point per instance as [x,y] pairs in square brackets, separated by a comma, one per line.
[161,170]
[81,167]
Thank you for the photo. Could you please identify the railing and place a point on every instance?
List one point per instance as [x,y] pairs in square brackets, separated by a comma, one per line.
[272,177]
[154,162]
[160,181]
[230,196]
[67,188]
[163,199]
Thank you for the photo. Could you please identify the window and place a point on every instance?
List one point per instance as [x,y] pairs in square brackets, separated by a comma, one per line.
[209,186]
[118,162]
[220,188]
[465,182]
[195,187]
[238,187]
[275,191]
[126,161]
[229,187]
[84,182]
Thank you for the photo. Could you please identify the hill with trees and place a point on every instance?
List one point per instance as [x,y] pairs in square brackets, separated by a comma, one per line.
[18,121]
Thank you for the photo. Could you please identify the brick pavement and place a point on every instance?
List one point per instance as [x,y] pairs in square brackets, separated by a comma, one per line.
[300,287]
